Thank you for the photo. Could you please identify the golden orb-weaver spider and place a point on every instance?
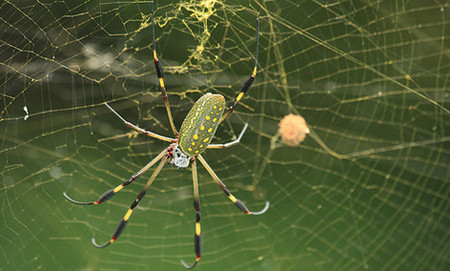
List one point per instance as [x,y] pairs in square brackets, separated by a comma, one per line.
[196,133]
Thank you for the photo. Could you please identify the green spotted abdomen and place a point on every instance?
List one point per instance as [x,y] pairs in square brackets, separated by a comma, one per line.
[200,124]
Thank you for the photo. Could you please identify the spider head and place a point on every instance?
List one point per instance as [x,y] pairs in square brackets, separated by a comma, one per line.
[179,159]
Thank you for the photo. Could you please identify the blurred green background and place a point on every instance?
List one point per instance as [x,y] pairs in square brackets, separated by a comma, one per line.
[367,190]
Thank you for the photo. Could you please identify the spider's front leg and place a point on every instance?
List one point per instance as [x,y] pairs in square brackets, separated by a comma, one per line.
[235,200]
[124,221]
[108,194]
[198,234]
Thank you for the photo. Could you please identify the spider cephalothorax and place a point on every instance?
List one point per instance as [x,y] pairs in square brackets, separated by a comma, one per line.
[179,159]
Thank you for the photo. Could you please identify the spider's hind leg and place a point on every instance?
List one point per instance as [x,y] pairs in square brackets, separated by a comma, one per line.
[160,74]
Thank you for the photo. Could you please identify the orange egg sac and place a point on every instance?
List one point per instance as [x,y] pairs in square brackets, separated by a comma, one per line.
[293,129]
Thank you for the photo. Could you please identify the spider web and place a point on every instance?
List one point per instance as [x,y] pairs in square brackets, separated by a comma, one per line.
[368,189]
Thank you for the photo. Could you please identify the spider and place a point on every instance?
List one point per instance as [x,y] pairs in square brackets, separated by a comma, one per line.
[196,133]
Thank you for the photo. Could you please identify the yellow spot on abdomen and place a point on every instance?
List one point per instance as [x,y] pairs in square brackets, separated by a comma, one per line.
[209,130]
[206,139]
[202,127]
[214,120]
[207,117]
[196,136]
[197,151]
[193,143]
[189,149]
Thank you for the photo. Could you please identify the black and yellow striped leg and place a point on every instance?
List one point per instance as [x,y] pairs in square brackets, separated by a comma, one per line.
[123,222]
[140,130]
[160,75]
[235,200]
[108,194]
[198,234]
[249,81]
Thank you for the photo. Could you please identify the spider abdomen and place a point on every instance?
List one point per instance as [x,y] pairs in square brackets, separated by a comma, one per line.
[200,124]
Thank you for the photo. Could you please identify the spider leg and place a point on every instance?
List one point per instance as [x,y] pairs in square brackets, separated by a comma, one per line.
[108,194]
[229,144]
[160,74]
[198,234]
[140,130]
[249,81]
[235,200]
[124,221]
